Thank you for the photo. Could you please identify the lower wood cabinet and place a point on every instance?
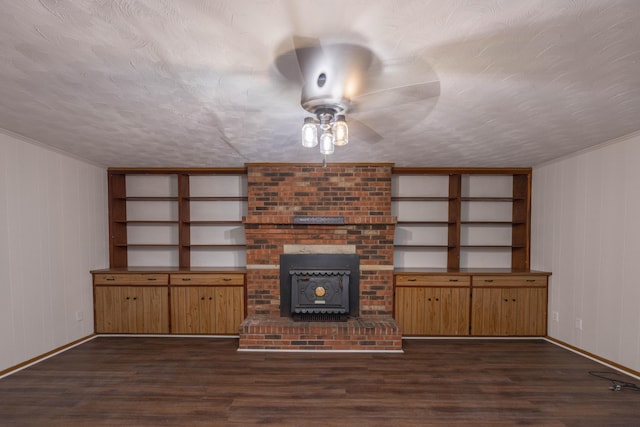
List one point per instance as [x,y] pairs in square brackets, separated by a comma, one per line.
[132,309]
[458,304]
[131,303]
[432,305]
[208,304]
[179,303]
[509,306]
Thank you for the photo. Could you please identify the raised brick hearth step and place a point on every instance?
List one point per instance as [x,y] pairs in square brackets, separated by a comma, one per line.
[284,333]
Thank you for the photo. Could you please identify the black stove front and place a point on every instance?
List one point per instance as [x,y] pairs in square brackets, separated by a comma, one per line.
[319,286]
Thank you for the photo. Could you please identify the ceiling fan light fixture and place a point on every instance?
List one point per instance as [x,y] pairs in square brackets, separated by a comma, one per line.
[326,143]
[340,131]
[309,133]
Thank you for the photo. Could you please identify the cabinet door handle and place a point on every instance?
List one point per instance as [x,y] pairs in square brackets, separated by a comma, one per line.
[437,299]
[202,298]
[151,278]
[186,279]
[488,280]
[454,280]
[128,298]
[531,280]
[411,280]
[110,279]
[506,300]
[227,279]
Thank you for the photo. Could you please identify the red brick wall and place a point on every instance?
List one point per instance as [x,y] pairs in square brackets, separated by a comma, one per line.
[361,193]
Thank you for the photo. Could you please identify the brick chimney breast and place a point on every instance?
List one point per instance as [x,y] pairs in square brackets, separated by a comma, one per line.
[348,205]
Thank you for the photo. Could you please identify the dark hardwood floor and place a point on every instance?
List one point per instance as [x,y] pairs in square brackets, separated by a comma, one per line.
[153,381]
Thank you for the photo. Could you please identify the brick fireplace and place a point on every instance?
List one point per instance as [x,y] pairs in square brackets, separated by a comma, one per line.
[308,209]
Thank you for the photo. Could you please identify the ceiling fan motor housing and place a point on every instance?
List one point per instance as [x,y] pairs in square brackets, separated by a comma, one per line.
[333,75]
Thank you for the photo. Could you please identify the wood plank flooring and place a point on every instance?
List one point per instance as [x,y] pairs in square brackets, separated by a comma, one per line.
[154,381]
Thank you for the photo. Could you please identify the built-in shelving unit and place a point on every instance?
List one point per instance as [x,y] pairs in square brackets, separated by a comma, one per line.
[462,218]
[177,218]
[217,204]
[421,204]
[461,252]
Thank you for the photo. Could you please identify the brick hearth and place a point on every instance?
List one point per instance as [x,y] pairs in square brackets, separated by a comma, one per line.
[283,333]
[360,194]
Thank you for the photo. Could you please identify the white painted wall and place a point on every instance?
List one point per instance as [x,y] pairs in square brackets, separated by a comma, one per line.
[53,230]
[586,231]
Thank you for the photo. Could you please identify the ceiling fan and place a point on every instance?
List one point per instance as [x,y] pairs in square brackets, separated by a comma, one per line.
[345,78]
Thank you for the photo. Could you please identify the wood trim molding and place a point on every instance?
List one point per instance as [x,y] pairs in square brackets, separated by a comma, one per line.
[364,164]
[185,171]
[44,356]
[363,267]
[594,357]
[463,171]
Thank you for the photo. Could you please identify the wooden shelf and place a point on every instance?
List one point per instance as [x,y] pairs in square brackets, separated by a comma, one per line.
[217,245]
[486,246]
[214,222]
[150,222]
[506,223]
[146,245]
[150,199]
[487,199]
[419,199]
[218,199]
[420,246]
[416,223]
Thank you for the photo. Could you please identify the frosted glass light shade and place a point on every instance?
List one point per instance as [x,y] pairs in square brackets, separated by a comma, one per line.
[340,131]
[326,143]
[309,133]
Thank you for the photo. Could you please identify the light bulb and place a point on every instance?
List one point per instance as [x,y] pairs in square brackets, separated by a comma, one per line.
[326,143]
[309,133]
[341,131]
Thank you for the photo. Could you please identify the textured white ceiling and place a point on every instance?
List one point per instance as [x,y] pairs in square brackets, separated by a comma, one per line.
[193,83]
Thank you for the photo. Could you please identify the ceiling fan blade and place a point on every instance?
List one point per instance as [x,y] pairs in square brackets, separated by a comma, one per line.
[386,98]
[298,59]
[309,55]
[363,132]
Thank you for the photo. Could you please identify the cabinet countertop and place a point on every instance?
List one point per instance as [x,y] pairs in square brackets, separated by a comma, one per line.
[470,271]
[169,270]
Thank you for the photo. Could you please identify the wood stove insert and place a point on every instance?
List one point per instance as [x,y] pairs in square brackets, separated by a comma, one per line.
[319,287]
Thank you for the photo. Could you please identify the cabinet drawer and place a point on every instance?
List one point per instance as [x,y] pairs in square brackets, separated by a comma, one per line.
[131,279]
[440,281]
[509,281]
[207,279]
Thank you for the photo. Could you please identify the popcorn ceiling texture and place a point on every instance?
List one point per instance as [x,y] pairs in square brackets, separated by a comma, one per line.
[193,83]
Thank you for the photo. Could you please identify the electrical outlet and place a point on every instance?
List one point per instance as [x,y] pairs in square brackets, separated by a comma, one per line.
[79,316]
[555,316]
[578,323]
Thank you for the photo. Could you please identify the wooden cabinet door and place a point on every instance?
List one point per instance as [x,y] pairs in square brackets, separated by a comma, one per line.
[454,311]
[229,309]
[207,309]
[530,308]
[185,310]
[410,310]
[132,309]
[432,310]
[486,311]
[509,311]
